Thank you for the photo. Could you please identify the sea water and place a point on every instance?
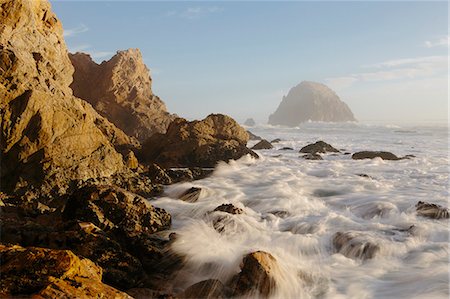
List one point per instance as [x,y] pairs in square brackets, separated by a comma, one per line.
[293,207]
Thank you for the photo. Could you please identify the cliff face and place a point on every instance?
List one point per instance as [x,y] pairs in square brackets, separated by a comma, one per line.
[48,135]
[120,90]
[310,101]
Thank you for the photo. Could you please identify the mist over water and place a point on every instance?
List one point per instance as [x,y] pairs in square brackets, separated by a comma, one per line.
[293,207]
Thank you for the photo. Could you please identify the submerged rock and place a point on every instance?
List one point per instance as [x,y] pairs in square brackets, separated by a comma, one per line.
[277,140]
[431,210]
[197,143]
[312,157]
[258,275]
[318,147]
[250,122]
[229,208]
[263,144]
[286,148]
[191,195]
[207,289]
[374,154]
[310,101]
[355,245]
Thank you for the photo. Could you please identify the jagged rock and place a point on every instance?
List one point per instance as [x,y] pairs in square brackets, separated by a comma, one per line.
[253,136]
[374,154]
[229,208]
[431,210]
[276,140]
[206,289]
[310,101]
[312,157]
[257,276]
[49,137]
[355,245]
[250,122]
[263,144]
[49,273]
[197,143]
[120,90]
[318,147]
[191,195]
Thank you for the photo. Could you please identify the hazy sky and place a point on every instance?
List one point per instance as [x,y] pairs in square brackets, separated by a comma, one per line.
[386,60]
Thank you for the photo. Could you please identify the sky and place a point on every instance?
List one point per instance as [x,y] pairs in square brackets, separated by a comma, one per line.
[387,60]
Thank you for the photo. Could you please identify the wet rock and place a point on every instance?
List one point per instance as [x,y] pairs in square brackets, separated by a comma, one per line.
[253,136]
[207,289]
[355,245]
[276,140]
[257,277]
[374,154]
[191,195]
[229,208]
[286,148]
[263,144]
[281,214]
[250,122]
[431,210]
[197,143]
[178,175]
[49,273]
[318,147]
[312,157]
[363,175]
[374,209]
[158,175]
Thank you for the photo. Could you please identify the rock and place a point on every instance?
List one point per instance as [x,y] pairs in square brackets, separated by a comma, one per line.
[374,154]
[120,90]
[354,245]
[250,122]
[49,273]
[131,161]
[229,208]
[318,147]
[374,209]
[206,289]
[144,293]
[263,144]
[191,195]
[286,148]
[431,210]
[114,209]
[188,174]
[276,140]
[281,214]
[363,175]
[49,137]
[257,277]
[197,143]
[253,136]
[312,157]
[310,101]
[158,175]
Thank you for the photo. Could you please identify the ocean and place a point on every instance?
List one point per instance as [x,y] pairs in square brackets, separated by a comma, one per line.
[293,207]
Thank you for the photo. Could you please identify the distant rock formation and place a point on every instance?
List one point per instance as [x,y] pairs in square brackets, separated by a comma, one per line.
[310,101]
[199,143]
[47,134]
[120,90]
[250,122]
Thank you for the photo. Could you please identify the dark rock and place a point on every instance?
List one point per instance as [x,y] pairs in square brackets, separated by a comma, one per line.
[312,157]
[363,175]
[431,210]
[250,122]
[145,293]
[158,175]
[229,208]
[318,147]
[286,148]
[374,154]
[354,245]
[257,276]
[277,140]
[347,153]
[253,136]
[178,175]
[190,195]
[207,289]
[263,144]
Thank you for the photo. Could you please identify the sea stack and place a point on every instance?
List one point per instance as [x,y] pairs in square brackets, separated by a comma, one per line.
[310,101]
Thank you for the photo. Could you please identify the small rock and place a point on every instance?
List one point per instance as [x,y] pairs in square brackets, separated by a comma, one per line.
[206,289]
[312,157]
[318,147]
[286,148]
[131,161]
[281,214]
[191,195]
[263,144]
[250,122]
[277,140]
[229,208]
[374,154]
[253,136]
[354,245]
[363,175]
[431,210]
[158,175]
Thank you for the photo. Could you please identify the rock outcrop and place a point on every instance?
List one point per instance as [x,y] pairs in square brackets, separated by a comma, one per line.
[431,210]
[49,137]
[355,245]
[200,143]
[263,144]
[120,90]
[250,122]
[318,147]
[374,154]
[310,101]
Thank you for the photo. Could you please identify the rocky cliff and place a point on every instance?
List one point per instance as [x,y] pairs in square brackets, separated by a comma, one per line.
[310,101]
[120,90]
[49,137]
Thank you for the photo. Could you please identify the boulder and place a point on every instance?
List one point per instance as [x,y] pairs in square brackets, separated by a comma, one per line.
[374,154]
[253,136]
[206,289]
[229,208]
[191,195]
[263,144]
[312,157]
[258,274]
[50,273]
[250,122]
[318,147]
[431,210]
[120,90]
[310,101]
[49,137]
[197,143]
[355,245]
